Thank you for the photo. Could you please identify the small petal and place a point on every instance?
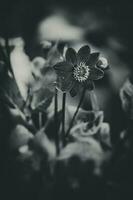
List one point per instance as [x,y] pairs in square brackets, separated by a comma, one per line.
[93,59]
[96,74]
[89,85]
[71,56]
[84,54]
[74,90]
[64,82]
[63,66]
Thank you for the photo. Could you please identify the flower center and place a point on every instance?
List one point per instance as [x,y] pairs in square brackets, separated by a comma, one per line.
[81,72]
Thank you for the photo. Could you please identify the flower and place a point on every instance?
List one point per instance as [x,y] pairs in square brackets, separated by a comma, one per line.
[126,95]
[20,136]
[78,69]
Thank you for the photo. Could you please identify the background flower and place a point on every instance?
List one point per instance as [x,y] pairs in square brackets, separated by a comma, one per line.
[126,95]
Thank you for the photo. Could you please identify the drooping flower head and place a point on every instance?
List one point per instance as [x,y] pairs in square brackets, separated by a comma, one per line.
[78,69]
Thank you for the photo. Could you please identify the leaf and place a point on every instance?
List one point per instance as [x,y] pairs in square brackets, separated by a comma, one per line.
[15,115]
[41,100]
[8,87]
[54,56]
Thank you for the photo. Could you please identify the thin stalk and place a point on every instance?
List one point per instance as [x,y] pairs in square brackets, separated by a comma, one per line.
[63,117]
[56,120]
[76,112]
[40,120]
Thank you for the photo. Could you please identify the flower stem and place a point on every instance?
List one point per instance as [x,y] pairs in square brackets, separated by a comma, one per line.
[40,120]
[56,120]
[63,117]
[76,112]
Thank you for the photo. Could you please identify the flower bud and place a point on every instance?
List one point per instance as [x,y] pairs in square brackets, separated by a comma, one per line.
[102,63]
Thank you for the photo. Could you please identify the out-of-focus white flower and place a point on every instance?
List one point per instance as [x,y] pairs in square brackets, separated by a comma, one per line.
[126,95]
[90,124]
[46,44]
[57,27]
[104,134]
[24,152]
[21,66]
[16,42]
[84,152]
[42,144]
[19,136]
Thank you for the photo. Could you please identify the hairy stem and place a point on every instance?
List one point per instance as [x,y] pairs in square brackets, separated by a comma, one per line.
[76,112]
[63,117]
[56,120]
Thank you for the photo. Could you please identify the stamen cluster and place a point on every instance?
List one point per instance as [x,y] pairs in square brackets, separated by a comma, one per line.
[81,72]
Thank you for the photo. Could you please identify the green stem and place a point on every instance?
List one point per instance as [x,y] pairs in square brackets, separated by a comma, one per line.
[56,120]
[63,117]
[76,112]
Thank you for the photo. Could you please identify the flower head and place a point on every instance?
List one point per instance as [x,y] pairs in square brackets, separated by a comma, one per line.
[78,69]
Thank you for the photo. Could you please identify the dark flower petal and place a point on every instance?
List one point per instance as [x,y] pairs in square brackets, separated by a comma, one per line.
[64,81]
[75,89]
[89,85]
[71,56]
[63,66]
[93,59]
[95,74]
[83,54]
